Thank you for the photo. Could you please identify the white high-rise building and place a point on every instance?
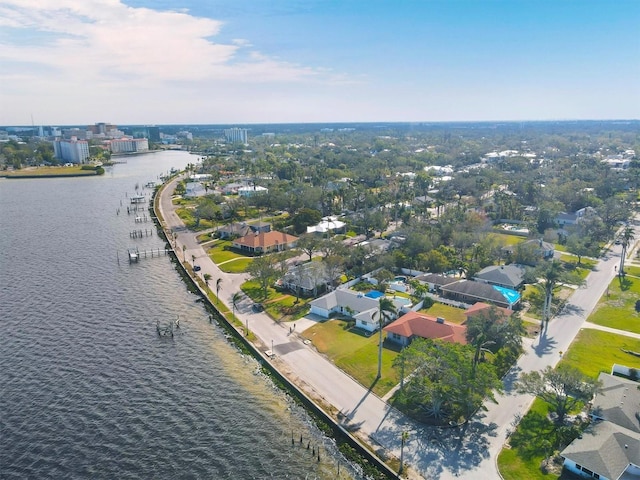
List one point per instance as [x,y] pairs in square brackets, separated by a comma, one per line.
[129,145]
[236,135]
[72,150]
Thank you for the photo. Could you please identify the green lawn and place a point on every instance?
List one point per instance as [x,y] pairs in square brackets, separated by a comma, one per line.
[595,351]
[286,309]
[449,313]
[354,353]
[253,291]
[617,309]
[506,239]
[522,460]
[221,251]
[632,270]
[238,265]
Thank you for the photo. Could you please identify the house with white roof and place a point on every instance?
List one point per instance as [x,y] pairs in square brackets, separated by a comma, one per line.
[357,305]
[327,225]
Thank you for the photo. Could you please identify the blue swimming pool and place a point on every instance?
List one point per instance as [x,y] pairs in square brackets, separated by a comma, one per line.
[511,295]
[375,294]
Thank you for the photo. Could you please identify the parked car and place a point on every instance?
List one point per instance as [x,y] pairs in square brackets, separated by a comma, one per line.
[257,307]
[196,268]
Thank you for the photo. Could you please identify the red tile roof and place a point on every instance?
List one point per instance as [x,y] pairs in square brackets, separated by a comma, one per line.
[480,306]
[426,326]
[265,239]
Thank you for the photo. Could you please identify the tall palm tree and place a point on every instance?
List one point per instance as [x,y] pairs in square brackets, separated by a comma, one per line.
[551,276]
[625,239]
[218,282]
[235,300]
[386,308]
[207,277]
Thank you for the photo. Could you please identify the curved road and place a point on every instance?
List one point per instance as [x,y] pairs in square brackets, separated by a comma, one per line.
[463,452]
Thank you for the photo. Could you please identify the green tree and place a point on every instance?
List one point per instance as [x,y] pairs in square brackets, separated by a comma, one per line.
[309,244]
[263,270]
[304,218]
[563,388]
[441,386]
[490,330]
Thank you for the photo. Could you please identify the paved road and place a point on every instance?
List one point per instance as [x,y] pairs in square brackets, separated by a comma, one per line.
[464,452]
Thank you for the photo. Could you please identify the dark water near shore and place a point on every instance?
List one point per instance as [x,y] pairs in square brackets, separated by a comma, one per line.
[87,388]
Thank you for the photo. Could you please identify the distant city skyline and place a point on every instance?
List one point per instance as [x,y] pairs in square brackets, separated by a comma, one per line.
[71,62]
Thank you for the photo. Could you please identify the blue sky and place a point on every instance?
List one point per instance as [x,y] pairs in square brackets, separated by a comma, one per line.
[275,61]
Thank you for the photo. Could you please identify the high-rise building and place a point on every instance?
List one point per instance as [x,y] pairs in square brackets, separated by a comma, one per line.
[236,135]
[153,133]
[72,150]
[129,145]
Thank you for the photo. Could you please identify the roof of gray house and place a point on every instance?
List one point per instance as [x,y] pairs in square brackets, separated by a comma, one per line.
[606,449]
[478,290]
[508,275]
[618,402]
[436,279]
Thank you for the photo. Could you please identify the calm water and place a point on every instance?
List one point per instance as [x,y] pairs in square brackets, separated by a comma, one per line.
[87,388]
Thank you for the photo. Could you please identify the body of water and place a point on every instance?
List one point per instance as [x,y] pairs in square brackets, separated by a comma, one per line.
[87,387]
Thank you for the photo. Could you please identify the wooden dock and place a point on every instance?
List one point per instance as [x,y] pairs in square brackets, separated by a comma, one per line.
[134,255]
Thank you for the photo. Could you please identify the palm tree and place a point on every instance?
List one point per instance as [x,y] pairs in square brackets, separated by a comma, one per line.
[625,239]
[385,309]
[218,282]
[551,276]
[235,300]
[207,277]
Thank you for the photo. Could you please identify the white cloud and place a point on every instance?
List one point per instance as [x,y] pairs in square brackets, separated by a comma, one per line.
[100,40]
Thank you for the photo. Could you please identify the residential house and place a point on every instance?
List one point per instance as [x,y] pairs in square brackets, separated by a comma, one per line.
[264,242]
[194,189]
[232,188]
[618,402]
[435,280]
[306,279]
[234,230]
[413,325]
[252,190]
[508,276]
[541,249]
[260,226]
[610,448]
[480,307]
[468,291]
[240,229]
[357,305]
[328,225]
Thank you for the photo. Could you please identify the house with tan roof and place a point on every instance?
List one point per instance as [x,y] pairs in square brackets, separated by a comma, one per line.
[413,325]
[264,242]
